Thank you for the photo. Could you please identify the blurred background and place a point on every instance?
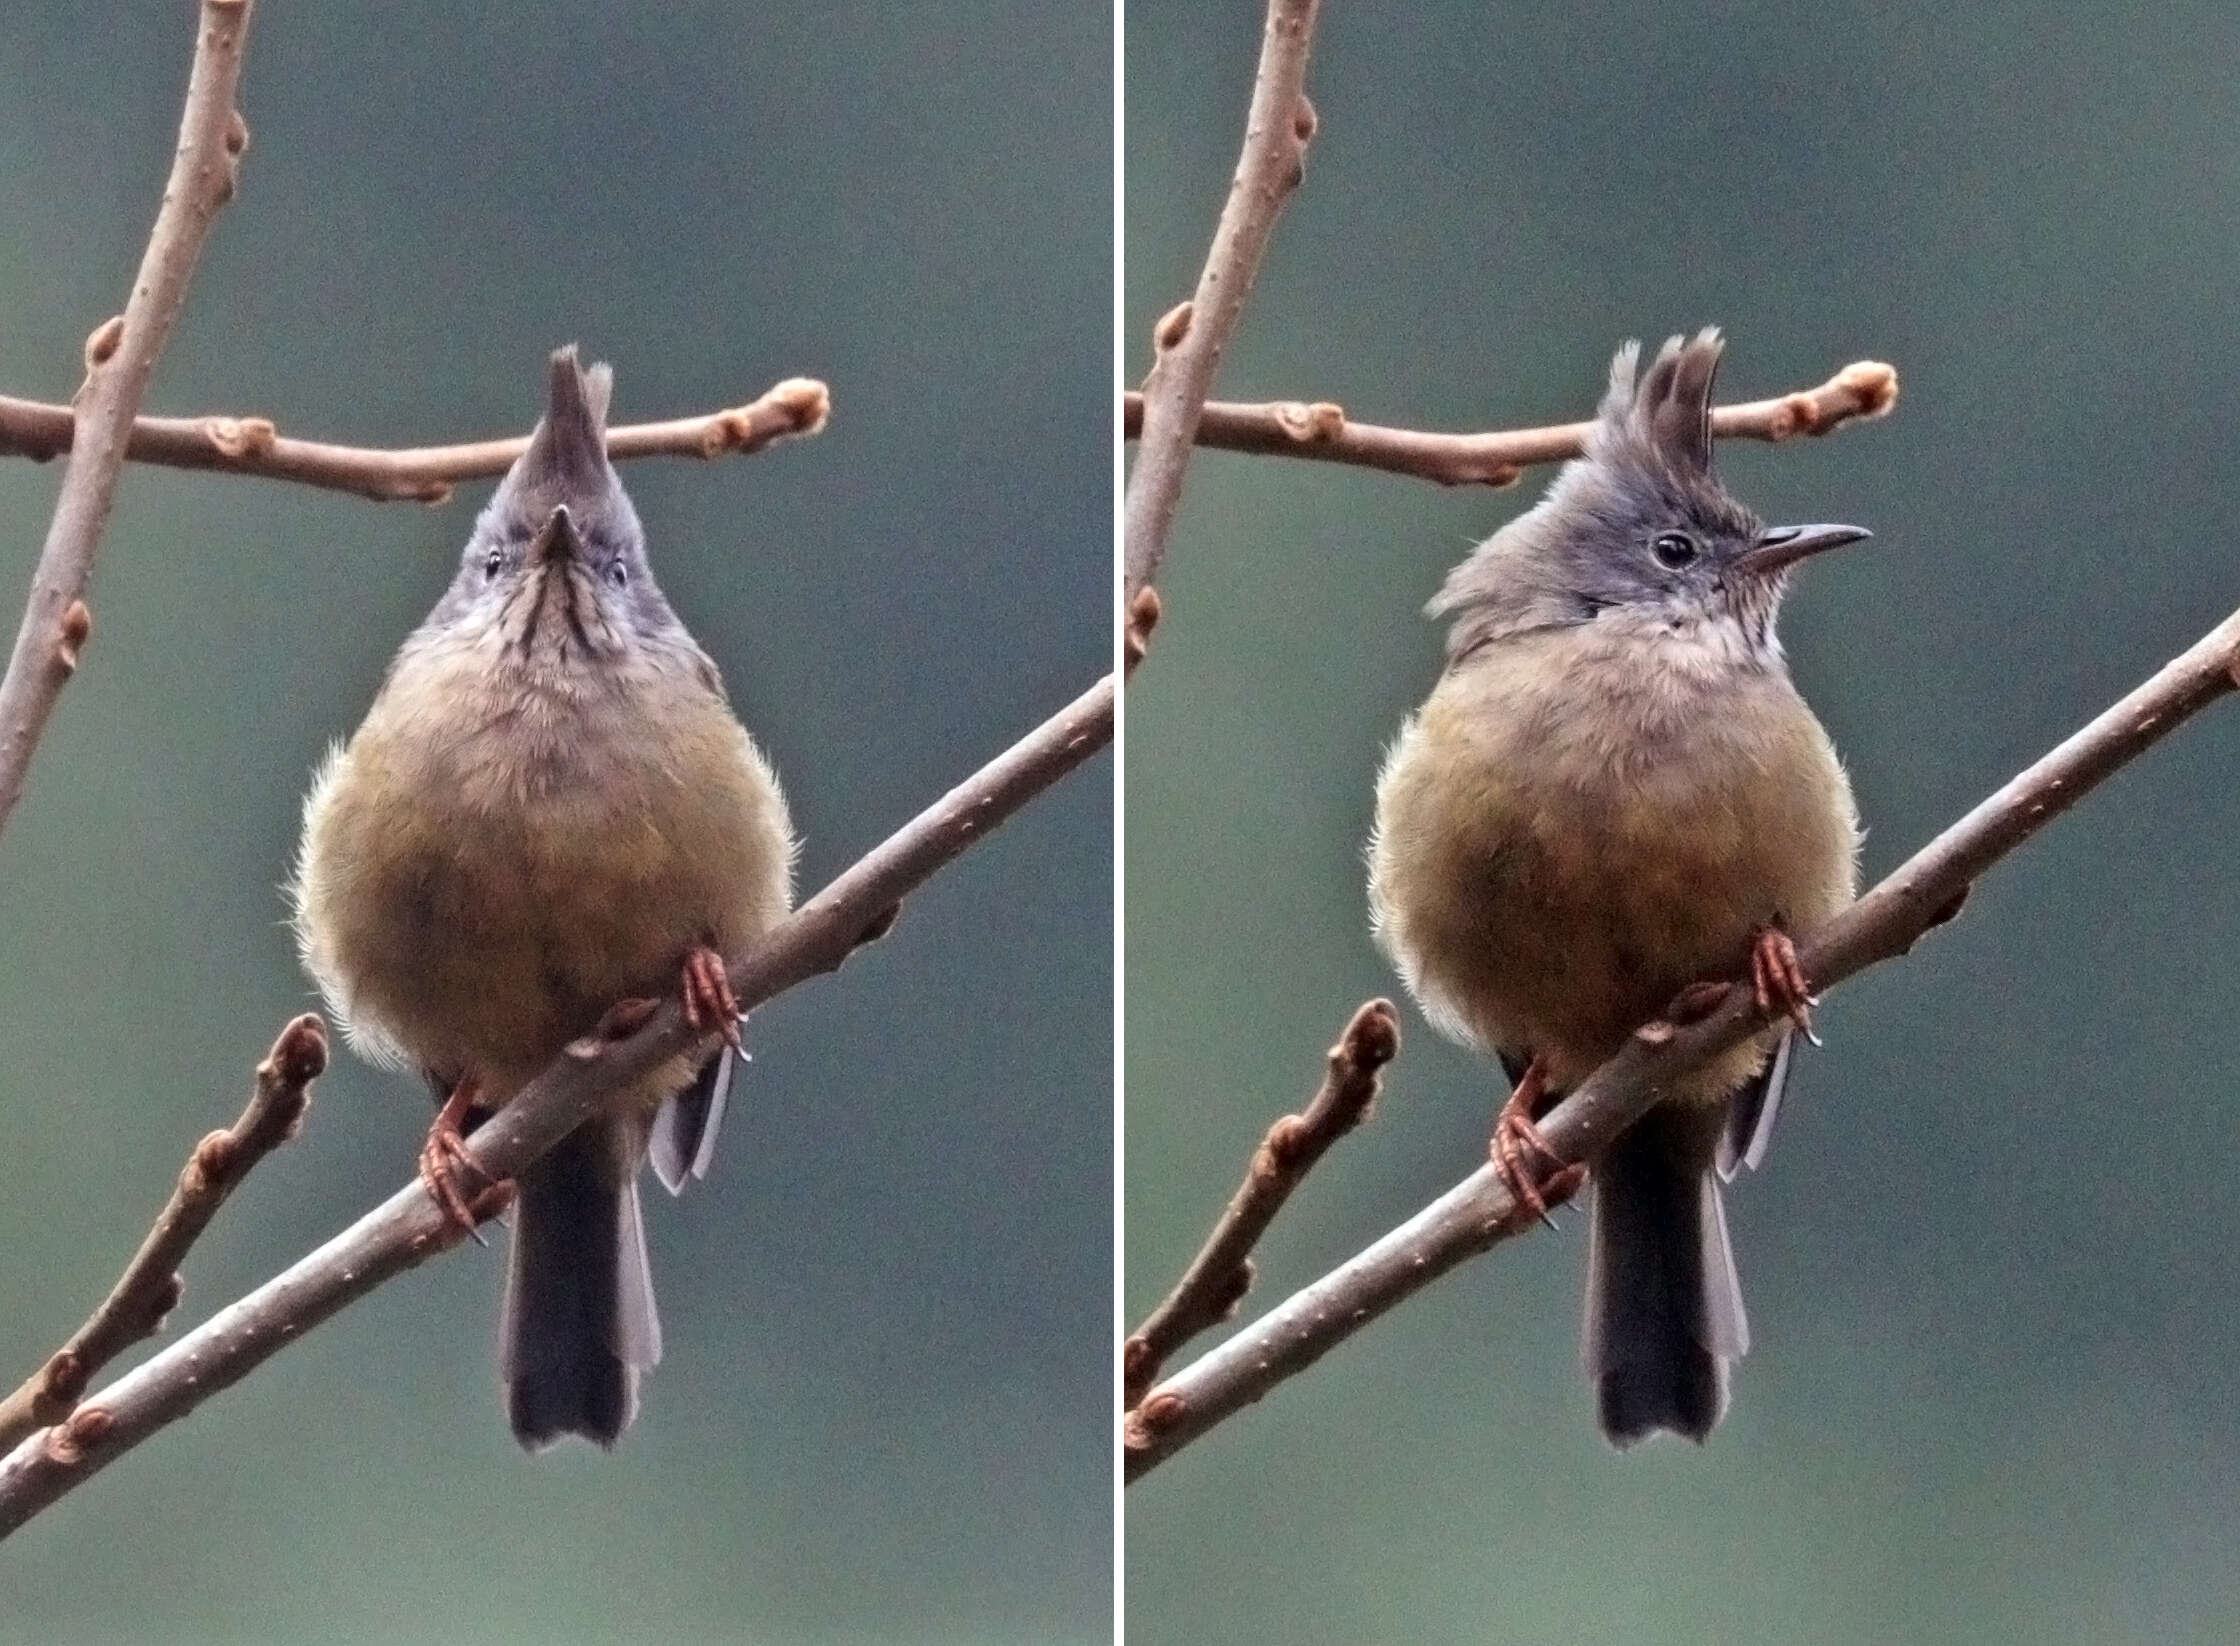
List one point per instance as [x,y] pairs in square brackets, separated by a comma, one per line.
[884,1414]
[1989,1263]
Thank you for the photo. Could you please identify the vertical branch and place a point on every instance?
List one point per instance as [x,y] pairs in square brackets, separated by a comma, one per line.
[1188,341]
[120,358]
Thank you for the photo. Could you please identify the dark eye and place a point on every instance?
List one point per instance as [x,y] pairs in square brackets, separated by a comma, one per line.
[619,575]
[1674,550]
[493,563]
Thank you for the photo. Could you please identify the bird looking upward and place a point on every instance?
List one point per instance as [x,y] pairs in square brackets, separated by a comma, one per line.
[1614,792]
[549,816]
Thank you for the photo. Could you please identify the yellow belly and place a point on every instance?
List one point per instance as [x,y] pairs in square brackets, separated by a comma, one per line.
[1552,863]
[482,875]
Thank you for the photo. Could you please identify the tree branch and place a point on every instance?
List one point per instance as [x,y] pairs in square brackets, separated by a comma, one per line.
[149,1289]
[1221,1274]
[1479,1212]
[407,1228]
[120,357]
[426,474]
[1864,389]
[1188,341]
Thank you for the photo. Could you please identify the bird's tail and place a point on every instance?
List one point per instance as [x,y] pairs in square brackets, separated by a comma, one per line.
[1664,1306]
[579,1324]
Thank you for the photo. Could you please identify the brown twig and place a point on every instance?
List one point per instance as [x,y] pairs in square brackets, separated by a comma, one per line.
[120,358]
[1187,343]
[150,1287]
[1479,1212]
[1320,430]
[424,474]
[407,1229]
[1221,1274]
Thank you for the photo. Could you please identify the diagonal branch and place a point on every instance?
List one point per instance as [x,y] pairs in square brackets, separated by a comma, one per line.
[1221,1274]
[1189,340]
[407,1229]
[120,358]
[1294,428]
[424,474]
[1478,1213]
[150,1287]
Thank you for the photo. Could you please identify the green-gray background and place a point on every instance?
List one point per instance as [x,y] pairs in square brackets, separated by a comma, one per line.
[1991,1264]
[884,1415]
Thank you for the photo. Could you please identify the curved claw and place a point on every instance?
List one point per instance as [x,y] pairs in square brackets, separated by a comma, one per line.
[1536,1187]
[706,995]
[1778,980]
[444,1164]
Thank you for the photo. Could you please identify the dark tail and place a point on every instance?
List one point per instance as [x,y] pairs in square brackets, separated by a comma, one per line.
[1664,1308]
[579,1324]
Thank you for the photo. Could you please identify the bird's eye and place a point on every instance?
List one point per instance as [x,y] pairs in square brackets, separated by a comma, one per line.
[1674,550]
[619,575]
[493,563]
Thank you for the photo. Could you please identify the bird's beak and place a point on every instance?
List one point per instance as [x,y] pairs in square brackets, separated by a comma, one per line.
[1780,547]
[557,540]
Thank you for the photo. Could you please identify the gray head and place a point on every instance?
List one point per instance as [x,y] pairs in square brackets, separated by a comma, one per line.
[555,571]
[1639,531]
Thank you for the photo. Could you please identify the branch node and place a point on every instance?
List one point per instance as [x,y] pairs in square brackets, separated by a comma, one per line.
[240,437]
[70,639]
[1143,618]
[1317,423]
[1173,327]
[103,341]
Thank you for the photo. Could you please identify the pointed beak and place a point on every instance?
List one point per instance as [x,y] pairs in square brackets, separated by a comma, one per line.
[1780,547]
[557,540]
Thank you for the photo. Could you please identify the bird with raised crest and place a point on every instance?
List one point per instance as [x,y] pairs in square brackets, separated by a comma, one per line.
[549,818]
[1615,793]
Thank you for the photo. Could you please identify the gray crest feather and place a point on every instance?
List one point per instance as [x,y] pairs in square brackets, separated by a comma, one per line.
[1648,457]
[568,451]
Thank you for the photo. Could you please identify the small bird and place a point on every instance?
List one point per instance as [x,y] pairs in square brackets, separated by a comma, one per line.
[1613,793]
[549,816]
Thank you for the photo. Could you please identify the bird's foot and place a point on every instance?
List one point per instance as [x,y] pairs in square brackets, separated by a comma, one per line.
[1779,981]
[1537,1186]
[446,1168]
[707,997]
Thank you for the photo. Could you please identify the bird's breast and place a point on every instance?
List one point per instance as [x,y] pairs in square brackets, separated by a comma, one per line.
[486,868]
[1564,840]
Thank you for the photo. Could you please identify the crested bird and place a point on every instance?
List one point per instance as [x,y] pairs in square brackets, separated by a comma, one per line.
[549,817]
[1615,792]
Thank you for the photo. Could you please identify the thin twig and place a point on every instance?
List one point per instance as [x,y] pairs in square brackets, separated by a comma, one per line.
[1188,342]
[150,1287]
[407,1228]
[1479,1212]
[120,358]
[423,474]
[1320,430]
[1221,1274]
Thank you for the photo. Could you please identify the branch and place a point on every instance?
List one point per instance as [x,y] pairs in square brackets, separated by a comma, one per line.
[407,1229]
[1221,1274]
[1188,341]
[426,474]
[1865,389]
[149,1289]
[120,358]
[1479,1213]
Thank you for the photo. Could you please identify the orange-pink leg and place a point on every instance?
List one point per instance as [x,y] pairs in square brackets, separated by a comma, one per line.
[444,1161]
[708,1000]
[1516,1137]
[1779,981]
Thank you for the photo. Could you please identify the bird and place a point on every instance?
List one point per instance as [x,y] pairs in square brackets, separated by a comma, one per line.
[1615,793]
[549,819]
